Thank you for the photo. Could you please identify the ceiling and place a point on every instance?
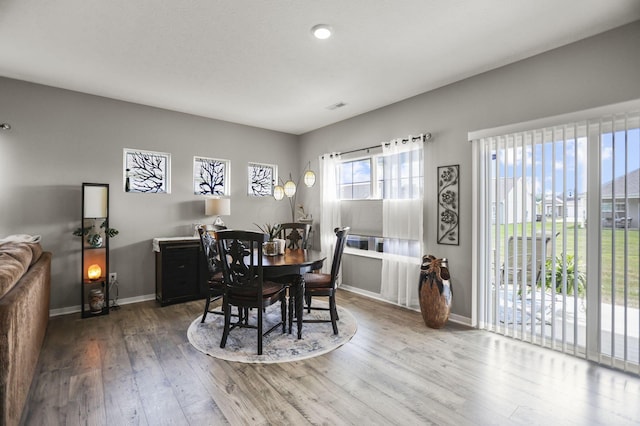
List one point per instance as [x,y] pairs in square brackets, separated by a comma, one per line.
[255,62]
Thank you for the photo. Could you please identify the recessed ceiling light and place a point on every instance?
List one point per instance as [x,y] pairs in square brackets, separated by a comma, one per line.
[321,31]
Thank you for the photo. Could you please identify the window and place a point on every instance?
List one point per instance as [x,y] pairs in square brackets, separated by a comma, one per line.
[383,177]
[210,176]
[355,179]
[261,178]
[378,176]
[147,171]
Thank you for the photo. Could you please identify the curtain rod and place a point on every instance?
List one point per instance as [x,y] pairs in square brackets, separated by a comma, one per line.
[421,137]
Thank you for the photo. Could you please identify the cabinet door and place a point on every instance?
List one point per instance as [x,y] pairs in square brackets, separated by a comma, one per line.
[180,272]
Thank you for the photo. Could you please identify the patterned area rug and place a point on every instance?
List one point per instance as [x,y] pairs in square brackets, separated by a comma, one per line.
[317,338]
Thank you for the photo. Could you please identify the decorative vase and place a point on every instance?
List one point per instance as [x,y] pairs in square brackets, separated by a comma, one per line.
[435,291]
[94,240]
[96,300]
[270,248]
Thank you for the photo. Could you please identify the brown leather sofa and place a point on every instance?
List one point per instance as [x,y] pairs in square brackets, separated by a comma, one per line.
[25,282]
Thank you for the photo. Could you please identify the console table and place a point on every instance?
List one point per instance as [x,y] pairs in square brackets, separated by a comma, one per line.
[181,272]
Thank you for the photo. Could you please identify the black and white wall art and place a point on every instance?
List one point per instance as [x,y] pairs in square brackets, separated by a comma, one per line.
[211,176]
[147,171]
[261,179]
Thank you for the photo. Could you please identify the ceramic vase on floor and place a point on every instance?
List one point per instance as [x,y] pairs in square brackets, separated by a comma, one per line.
[435,291]
[96,300]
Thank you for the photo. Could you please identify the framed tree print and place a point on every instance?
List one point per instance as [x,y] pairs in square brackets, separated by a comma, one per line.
[448,208]
[210,176]
[261,178]
[147,171]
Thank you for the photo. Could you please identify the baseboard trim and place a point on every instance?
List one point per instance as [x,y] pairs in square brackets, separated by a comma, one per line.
[458,319]
[125,301]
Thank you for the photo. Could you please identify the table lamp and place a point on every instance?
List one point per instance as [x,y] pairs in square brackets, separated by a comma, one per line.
[217,207]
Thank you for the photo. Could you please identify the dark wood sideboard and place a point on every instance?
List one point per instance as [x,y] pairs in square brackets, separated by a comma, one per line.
[181,271]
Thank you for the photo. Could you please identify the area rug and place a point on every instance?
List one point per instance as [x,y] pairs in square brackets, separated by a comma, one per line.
[317,338]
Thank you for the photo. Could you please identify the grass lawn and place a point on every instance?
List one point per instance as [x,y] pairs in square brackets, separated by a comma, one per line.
[614,265]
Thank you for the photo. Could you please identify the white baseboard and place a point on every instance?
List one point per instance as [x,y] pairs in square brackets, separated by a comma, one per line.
[126,301]
[459,319]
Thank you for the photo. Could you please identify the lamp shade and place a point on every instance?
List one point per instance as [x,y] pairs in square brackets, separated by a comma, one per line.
[309,178]
[217,207]
[289,188]
[95,201]
[278,192]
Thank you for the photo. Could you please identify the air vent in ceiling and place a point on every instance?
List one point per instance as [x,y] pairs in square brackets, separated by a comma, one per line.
[336,106]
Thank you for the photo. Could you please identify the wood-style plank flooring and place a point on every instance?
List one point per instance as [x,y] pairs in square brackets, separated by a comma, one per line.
[136,367]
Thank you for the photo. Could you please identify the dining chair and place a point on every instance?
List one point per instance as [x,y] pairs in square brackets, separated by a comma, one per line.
[244,284]
[295,234]
[319,284]
[215,283]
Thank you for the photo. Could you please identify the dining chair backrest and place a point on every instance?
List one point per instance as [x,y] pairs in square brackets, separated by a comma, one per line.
[296,234]
[341,239]
[241,260]
[210,249]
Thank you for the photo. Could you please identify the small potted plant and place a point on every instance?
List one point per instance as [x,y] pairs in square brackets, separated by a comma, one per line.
[270,248]
[94,235]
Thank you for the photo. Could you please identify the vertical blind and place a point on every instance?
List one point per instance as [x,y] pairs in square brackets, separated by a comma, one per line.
[556,234]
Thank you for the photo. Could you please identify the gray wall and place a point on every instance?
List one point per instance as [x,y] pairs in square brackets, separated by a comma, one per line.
[60,139]
[597,71]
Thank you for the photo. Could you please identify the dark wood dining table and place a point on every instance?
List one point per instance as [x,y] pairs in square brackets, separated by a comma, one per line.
[294,263]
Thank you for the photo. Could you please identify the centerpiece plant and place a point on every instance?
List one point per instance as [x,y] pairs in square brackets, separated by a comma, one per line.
[270,247]
[271,231]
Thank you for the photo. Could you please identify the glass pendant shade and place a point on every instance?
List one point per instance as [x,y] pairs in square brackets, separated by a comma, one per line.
[289,188]
[309,178]
[278,192]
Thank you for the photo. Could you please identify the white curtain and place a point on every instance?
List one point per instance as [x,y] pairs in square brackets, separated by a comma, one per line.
[330,209]
[402,221]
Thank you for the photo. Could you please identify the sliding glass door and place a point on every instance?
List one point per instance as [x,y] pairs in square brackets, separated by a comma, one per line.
[556,236]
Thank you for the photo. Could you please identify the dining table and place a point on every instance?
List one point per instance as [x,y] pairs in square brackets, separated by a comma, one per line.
[292,265]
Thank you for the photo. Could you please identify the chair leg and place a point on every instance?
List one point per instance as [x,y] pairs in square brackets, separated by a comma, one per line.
[206,308]
[227,324]
[334,313]
[259,331]
[307,298]
[283,312]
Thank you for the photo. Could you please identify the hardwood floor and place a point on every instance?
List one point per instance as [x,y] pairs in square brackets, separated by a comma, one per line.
[135,366]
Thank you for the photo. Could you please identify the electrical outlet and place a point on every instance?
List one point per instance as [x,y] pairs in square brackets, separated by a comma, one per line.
[113,277]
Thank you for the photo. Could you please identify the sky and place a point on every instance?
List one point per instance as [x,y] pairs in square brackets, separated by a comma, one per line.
[565,163]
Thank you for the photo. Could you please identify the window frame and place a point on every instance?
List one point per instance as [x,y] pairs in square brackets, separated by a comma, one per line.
[376,184]
[200,165]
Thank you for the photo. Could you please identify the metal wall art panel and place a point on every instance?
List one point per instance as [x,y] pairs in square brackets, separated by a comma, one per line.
[448,205]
